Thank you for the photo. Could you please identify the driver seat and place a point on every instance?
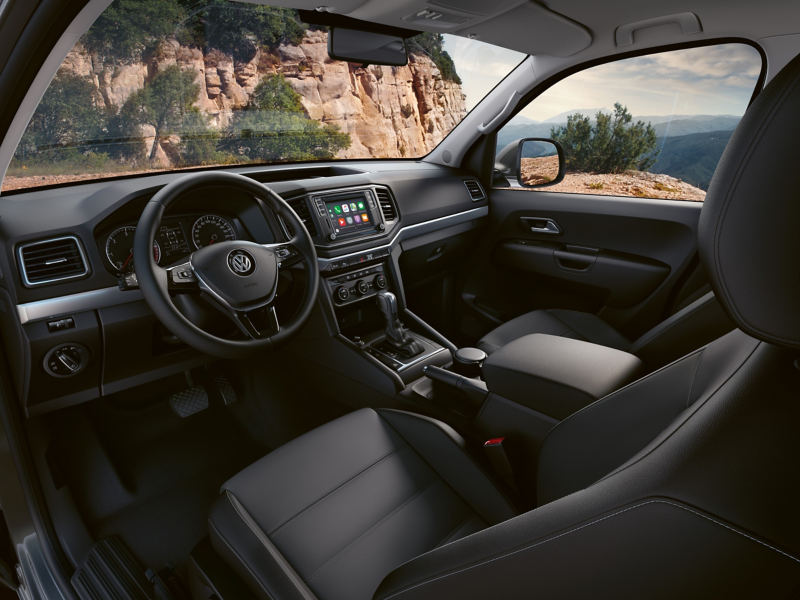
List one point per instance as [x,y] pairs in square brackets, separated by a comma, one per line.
[680,484]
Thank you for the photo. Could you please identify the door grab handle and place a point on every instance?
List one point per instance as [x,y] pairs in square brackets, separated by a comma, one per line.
[512,102]
[540,225]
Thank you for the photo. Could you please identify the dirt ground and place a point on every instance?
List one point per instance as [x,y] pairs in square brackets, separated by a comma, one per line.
[631,183]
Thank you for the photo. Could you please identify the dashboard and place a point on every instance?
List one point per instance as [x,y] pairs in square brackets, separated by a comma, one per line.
[369,221]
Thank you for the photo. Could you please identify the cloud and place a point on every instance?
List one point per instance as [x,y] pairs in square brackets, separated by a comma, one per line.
[709,80]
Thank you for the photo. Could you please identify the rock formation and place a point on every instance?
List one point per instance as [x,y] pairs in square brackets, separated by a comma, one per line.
[389,112]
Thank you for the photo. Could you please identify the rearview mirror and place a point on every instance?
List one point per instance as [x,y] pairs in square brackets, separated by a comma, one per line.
[540,162]
[366,47]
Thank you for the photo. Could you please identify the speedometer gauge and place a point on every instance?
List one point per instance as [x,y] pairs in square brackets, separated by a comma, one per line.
[211,229]
[119,249]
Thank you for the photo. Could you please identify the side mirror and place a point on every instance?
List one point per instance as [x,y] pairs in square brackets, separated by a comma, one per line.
[540,162]
[366,47]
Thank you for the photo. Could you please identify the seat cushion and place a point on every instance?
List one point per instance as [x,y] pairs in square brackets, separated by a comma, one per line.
[331,513]
[564,323]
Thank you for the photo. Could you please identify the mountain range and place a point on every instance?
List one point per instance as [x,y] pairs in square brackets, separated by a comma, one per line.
[691,145]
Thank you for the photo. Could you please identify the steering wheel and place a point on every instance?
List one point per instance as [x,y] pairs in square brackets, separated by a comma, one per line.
[236,277]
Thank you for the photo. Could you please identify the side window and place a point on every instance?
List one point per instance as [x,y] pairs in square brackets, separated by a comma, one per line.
[651,127]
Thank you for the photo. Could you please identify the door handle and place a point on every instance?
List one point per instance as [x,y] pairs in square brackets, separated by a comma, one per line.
[540,225]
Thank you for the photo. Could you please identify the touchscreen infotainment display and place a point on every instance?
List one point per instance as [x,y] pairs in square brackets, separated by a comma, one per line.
[349,214]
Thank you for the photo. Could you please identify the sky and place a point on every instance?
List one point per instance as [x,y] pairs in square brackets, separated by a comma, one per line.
[712,80]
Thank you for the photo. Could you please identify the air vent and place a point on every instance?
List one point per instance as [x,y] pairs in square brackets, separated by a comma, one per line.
[387,206]
[301,208]
[475,190]
[52,260]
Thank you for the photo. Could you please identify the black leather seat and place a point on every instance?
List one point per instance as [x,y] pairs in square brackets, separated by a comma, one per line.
[388,487]
[695,323]
[682,484]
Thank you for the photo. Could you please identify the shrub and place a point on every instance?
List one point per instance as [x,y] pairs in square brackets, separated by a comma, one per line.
[612,145]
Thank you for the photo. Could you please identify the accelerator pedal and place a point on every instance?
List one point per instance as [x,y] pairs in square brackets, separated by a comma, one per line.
[189,402]
[225,389]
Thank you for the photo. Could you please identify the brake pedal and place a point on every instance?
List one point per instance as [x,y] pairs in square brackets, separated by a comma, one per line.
[225,389]
[189,402]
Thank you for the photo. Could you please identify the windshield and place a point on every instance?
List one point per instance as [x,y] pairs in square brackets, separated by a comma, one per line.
[160,85]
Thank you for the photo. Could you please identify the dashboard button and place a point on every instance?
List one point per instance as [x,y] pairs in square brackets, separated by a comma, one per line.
[362,287]
[380,282]
[342,293]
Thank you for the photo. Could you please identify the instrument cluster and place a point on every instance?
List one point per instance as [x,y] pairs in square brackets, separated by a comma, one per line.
[176,239]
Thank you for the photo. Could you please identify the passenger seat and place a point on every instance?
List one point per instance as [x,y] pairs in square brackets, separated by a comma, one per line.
[696,323]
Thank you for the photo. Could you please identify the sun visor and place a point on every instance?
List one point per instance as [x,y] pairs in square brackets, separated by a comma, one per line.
[533,29]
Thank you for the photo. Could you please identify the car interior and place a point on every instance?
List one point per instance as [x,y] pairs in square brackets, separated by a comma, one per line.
[316,317]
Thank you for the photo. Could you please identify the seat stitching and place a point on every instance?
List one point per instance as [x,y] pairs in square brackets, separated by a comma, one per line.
[694,374]
[446,539]
[486,562]
[364,535]
[287,520]
[277,559]
[236,554]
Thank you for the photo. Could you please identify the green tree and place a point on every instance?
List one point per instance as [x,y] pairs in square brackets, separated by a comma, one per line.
[127,27]
[241,29]
[198,141]
[274,128]
[432,45]
[612,145]
[163,102]
[67,115]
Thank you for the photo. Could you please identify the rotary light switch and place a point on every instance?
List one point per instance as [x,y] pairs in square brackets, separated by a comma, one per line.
[66,360]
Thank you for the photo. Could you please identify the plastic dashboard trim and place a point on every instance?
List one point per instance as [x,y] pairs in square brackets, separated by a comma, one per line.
[113,296]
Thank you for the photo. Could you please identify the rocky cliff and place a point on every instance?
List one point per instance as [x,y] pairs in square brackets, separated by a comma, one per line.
[388,111]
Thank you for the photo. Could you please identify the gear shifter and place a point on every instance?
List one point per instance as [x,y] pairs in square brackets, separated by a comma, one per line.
[396,334]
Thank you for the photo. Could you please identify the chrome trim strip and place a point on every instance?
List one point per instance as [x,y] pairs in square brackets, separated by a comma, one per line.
[53,307]
[112,296]
[24,271]
[415,230]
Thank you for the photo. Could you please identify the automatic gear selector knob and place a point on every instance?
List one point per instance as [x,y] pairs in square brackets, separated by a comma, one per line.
[396,334]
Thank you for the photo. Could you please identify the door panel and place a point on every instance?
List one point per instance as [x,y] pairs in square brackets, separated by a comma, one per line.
[619,258]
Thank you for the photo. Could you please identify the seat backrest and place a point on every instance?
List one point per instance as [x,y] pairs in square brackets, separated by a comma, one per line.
[707,507]
[692,327]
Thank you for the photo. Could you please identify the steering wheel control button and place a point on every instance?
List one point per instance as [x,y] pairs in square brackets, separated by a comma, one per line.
[66,360]
[362,287]
[380,282]
[342,293]
[242,262]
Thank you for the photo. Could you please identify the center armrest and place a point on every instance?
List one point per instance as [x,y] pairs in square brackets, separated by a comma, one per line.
[557,376]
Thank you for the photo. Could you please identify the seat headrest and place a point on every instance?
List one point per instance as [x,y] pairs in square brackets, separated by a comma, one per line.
[749,231]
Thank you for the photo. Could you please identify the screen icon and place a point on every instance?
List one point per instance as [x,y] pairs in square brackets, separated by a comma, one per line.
[337,209]
[357,219]
[342,222]
[353,207]
[345,209]
[349,220]
[360,206]
[364,218]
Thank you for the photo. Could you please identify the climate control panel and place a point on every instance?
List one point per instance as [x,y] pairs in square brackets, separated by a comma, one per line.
[354,286]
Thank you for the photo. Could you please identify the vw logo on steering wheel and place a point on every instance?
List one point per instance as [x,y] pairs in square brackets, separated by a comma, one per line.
[241,262]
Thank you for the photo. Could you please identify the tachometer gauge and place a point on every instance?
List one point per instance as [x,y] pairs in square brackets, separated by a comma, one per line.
[119,249]
[211,229]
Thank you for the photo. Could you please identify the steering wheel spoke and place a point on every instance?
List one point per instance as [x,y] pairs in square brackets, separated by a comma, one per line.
[246,321]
